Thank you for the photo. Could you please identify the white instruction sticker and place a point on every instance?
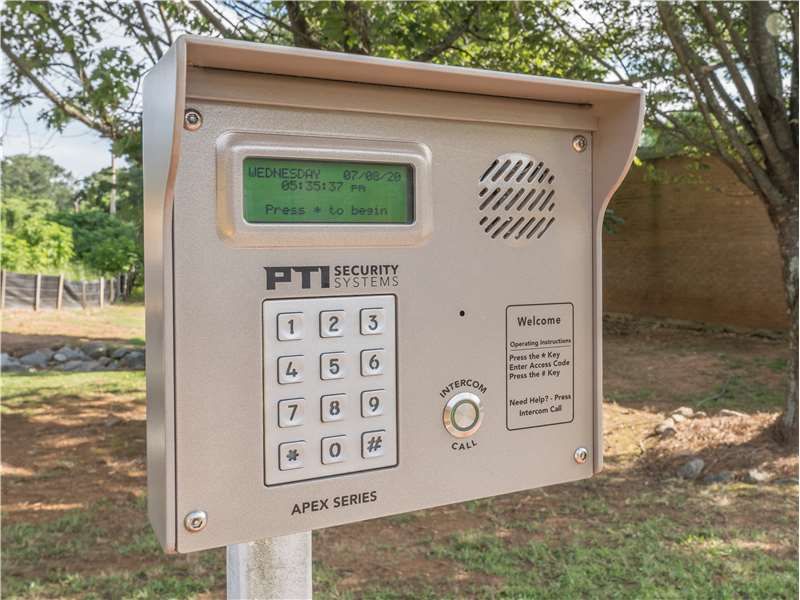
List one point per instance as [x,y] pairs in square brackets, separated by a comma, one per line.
[539,365]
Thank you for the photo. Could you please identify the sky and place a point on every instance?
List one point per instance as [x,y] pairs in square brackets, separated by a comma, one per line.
[78,148]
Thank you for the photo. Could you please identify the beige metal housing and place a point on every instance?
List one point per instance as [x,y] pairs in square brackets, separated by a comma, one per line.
[496,271]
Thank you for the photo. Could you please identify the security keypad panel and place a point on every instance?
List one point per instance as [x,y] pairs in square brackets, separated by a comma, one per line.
[330,387]
[372,286]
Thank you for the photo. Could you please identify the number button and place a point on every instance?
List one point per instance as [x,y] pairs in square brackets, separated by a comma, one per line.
[332,365]
[332,407]
[290,326]
[331,323]
[290,412]
[333,449]
[372,362]
[373,443]
[373,321]
[291,455]
[372,402]
[290,369]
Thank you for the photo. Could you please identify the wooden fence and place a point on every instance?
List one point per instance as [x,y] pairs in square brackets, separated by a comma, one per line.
[39,292]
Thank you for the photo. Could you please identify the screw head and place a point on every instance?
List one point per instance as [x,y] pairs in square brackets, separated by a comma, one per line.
[195,521]
[192,120]
[581,454]
[579,143]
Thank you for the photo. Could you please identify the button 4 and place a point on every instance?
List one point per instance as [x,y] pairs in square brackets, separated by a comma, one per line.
[290,369]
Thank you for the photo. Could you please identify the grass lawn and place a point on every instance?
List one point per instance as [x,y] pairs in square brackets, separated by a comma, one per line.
[73,495]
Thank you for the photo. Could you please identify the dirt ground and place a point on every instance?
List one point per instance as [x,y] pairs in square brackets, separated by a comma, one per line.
[74,484]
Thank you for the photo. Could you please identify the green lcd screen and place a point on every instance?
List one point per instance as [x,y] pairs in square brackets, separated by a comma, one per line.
[278,190]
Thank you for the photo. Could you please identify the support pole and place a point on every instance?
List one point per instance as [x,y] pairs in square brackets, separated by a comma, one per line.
[276,568]
[60,297]
[3,276]
[101,283]
[37,291]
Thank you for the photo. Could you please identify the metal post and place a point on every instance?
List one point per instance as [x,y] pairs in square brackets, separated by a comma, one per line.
[60,297]
[276,568]
[102,291]
[37,291]
[3,276]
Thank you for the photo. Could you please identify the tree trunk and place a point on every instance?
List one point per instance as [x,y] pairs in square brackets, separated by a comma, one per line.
[112,202]
[786,225]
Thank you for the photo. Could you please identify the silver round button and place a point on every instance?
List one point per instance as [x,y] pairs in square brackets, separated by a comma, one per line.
[463,414]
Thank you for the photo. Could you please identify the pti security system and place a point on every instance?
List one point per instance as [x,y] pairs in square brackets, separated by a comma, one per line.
[372,286]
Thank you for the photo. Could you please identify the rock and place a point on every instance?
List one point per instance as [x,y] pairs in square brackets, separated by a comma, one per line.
[95,349]
[105,360]
[700,414]
[678,418]
[692,469]
[119,353]
[60,357]
[666,428]
[71,365]
[47,352]
[684,411]
[35,359]
[757,476]
[133,360]
[721,477]
[68,353]
[725,412]
[787,481]
[6,360]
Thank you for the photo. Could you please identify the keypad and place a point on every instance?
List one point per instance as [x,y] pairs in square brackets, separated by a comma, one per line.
[330,386]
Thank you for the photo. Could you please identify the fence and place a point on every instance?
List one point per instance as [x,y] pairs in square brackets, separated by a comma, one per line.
[37,291]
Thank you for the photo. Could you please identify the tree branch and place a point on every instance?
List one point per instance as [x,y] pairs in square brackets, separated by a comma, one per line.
[209,15]
[452,36]
[151,36]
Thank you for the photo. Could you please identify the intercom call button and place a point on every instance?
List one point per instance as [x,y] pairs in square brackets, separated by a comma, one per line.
[463,414]
[291,455]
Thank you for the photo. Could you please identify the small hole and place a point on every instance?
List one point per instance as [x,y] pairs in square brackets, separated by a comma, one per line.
[461,313]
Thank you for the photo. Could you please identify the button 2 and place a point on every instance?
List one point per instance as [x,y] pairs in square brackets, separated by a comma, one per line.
[290,369]
[290,326]
[331,323]
[291,455]
[372,362]
[290,412]
[373,321]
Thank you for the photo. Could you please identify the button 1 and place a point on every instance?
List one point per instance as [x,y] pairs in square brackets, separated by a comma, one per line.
[333,449]
[332,365]
[290,412]
[373,321]
[372,402]
[291,455]
[290,369]
[372,362]
[373,443]
[290,326]
[331,323]
[463,414]
[332,407]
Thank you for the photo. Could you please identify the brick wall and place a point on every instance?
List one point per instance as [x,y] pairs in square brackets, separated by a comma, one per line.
[699,251]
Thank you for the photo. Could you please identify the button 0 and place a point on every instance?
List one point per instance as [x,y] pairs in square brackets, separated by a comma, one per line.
[463,414]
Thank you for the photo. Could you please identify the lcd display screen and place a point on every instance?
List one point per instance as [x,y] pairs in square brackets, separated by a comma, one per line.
[278,190]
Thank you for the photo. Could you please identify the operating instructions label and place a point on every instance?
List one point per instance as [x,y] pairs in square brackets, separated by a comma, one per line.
[539,365]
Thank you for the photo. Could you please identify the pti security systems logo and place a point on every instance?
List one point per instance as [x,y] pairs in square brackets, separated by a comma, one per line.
[335,276]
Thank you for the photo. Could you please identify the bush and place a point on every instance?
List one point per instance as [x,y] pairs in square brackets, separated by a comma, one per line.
[37,245]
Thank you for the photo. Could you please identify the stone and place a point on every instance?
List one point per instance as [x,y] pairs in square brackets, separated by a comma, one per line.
[71,365]
[47,352]
[678,418]
[7,359]
[685,412]
[69,353]
[692,469]
[700,414]
[726,412]
[60,357]
[757,476]
[13,368]
[133,360]
[721,477]
[666,428]
[95,349]
[119,353]
[105,360]
[35,359]
[787,481]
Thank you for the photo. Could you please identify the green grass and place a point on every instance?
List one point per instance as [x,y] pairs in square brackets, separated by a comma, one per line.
[651,559]
[36,389]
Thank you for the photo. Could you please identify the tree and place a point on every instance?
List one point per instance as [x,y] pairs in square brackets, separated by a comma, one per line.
[37,178]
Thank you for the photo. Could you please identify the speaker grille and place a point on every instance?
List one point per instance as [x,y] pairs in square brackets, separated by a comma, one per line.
[516,198]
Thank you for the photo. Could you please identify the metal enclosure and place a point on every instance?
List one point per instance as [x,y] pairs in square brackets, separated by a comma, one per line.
[489,299]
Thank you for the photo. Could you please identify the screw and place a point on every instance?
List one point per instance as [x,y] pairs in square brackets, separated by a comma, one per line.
[579,143]
[195,521]
[581,454]
[192,120]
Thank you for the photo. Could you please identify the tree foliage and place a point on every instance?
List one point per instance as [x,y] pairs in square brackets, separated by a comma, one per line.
[36,178]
